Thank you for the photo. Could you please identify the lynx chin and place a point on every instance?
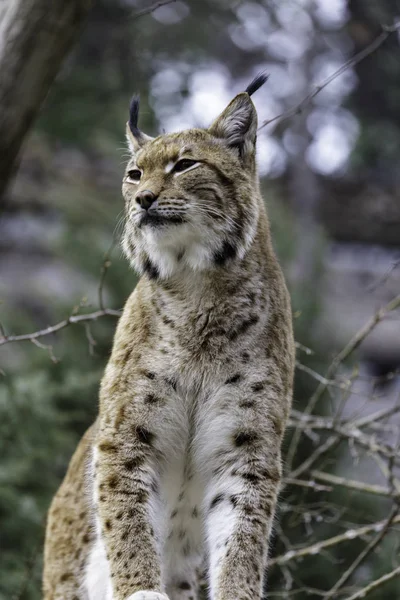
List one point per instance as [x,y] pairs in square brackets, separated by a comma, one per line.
[180,472]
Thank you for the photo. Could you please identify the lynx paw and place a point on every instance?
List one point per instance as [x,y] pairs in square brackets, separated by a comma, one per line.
[148,595]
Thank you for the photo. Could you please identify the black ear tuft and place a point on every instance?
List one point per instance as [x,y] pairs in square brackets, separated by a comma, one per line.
[134,116]
[257,82]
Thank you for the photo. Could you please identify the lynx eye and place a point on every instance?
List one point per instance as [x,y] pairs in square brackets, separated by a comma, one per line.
[183,164]
[134,175]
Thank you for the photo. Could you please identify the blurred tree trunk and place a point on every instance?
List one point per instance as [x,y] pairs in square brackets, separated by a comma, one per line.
[35,36]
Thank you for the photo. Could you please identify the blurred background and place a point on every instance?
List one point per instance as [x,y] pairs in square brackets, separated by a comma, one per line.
[331,183]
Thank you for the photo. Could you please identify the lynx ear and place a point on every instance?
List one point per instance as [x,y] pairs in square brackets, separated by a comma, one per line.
[237,124]
[136,139]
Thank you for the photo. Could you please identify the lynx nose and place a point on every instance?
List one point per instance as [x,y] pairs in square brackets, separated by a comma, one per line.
[145,198]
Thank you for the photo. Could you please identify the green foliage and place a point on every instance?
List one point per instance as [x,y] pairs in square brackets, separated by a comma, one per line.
[42,415]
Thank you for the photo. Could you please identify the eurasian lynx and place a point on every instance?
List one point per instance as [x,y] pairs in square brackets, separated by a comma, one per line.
[182,468]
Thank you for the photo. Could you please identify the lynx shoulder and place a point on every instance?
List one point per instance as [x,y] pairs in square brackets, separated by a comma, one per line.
[181,471]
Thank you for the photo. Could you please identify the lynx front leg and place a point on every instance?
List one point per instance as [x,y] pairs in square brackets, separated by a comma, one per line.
[244,453]
[129,452]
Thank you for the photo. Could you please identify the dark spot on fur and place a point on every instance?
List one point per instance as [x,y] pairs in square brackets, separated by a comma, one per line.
[134,463]
[113,481]
[85,539]
[243,327]
[216,500]
[174,513]
[151,399]
[195,513]
[225,253]
[234,500]
[245,357]
[142,496]
[144,435]
[119,554]
[184,585]
[149,375]
[233,379]
[247,404]
[167,321]
[107,447]
[258,386]
[251,477]
[108,524]
[244,437]
[65,576]
[172,382]
[150,269]
[119,515]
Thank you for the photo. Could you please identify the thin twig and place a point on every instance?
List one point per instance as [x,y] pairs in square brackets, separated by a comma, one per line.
[354,485]
[309,484]
[363,555]
[71,320]
[353,344]
[365,591]
[47,347]
[297,109]
[152,8]
[350,534]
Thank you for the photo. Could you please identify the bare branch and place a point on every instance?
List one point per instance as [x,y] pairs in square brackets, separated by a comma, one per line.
[375,584]
[354,485]
[363,555]
[354,60]
[71,320]
[353,344]
[350,534]
[152,8]
[47,347]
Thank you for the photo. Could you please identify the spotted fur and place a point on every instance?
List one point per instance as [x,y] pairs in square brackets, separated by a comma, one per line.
[181,470]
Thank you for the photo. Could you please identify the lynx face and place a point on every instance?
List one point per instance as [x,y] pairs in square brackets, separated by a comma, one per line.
[188,195]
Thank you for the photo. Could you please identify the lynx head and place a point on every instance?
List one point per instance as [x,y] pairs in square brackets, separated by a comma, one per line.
[192,197]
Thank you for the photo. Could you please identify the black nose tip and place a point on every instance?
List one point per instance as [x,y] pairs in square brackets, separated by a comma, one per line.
[145,198]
